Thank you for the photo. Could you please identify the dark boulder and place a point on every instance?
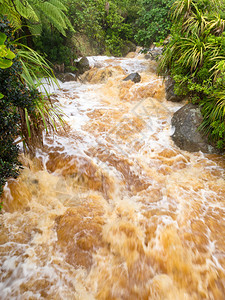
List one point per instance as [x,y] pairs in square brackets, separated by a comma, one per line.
[64,77]
[135,77]
[170,95]
[148,56]
[128,47]
[82,65]
[187,135]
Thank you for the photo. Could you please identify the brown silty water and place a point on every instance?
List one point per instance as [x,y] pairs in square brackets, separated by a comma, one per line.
[111,208]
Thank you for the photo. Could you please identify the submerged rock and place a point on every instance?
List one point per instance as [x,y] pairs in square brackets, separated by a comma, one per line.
[96,75]
[170,95]
[135,77]
[83,65]
[64,77]
[187,135]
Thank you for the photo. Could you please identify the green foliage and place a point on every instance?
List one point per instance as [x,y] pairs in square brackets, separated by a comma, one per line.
[9,117]
[53,45]
[23,109]
[213,110]
[47,20]
[108,24]
[195,57]
[153,22]
[36,13]
[6,55]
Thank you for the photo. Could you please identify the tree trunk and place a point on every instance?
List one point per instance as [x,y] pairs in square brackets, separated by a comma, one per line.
[28,34]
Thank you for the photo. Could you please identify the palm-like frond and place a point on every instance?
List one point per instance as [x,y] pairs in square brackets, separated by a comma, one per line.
[216,25]
[196,22]
[25,10]
[218,67]
[34,67]
[195,59]
[35,29]
[189,51]
[33,10]
[50,115]
[181,8]
[54,16]
[220,104]
[12,15]
[58,4]
[184,8]
[213,125]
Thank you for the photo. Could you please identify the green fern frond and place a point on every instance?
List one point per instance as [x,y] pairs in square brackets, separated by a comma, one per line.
[58,4]
[33,11]
[54,15]
[35,29]
[11,14]
[26,10]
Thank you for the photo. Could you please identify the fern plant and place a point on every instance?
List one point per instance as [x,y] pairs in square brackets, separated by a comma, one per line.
[33,14]
[36,12]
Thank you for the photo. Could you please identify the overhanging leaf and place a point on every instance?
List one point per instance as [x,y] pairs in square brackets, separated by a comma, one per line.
[2,38]
[10,55]
[5,63]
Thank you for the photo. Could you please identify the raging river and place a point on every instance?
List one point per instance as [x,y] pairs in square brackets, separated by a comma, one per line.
[110,208]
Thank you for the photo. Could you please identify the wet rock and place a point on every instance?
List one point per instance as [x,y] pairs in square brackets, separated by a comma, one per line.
[128,47]
[82,65]
[154,53]
[59,68]
[64,77]
[135,77]
[170,95]
[147,56]
[187,136]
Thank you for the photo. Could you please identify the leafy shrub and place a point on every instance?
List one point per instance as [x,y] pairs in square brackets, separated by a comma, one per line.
[154,21]
[52,44]
[16,99]
[108,24]
[195,58]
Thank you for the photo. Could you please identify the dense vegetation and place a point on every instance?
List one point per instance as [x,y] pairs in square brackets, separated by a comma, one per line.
[12,94]
[8,120]
[195,58]
[24,111]
[109,26]
[153,22]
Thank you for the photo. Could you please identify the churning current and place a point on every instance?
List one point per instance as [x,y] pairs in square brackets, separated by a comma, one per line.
[110,208]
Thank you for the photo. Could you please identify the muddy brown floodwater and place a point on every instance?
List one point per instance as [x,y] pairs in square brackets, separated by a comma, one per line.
[111,208]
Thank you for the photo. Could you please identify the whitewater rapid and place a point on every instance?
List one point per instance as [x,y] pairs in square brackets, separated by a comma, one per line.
[110,208]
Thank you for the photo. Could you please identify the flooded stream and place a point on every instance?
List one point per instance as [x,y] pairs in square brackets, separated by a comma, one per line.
[111,208]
